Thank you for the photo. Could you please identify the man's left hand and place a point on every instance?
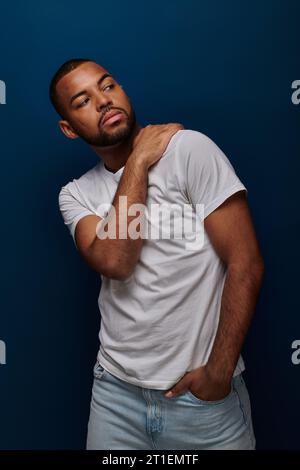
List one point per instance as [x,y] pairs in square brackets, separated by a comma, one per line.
[202,384]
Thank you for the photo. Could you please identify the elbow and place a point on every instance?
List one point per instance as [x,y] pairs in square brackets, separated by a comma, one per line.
[108,264]
[120,275]
[116,272]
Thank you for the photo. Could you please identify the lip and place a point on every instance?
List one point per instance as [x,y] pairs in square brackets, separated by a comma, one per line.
[108,116]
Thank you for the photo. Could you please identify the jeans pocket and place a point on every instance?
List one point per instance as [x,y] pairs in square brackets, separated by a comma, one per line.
[98,371]
[198,400]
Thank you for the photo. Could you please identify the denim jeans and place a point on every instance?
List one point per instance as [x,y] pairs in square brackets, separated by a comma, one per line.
[127,417]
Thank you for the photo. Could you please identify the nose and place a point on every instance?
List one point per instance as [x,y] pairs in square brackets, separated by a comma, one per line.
[103,101]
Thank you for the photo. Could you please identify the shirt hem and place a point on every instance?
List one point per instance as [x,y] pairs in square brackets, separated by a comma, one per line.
[222,198]
[149,383]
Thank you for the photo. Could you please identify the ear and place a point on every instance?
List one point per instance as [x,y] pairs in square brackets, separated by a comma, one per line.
[67,129]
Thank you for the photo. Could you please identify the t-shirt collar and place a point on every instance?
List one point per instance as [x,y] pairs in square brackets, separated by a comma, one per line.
[115,176]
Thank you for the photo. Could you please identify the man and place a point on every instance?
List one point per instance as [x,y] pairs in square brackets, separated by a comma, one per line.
[175,310]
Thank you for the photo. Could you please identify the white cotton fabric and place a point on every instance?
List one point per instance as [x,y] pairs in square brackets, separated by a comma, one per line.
[161,322]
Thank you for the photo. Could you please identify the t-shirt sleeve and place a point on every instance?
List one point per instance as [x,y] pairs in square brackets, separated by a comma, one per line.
[72,209]
[209,176]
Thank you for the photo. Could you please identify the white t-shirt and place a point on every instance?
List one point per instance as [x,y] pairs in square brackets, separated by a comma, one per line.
[161,321]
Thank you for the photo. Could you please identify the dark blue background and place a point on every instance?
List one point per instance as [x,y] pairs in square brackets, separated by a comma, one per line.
[222,67]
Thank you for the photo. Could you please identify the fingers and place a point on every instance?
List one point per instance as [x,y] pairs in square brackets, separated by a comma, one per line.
[164,127]
[153,140]
[157,130]
[174,126]
[178,388]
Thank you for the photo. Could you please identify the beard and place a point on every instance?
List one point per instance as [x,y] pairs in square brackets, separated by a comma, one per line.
[118,132]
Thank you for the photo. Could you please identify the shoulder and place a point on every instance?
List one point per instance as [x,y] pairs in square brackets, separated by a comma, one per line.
[199,149]
[196,150]
[78,186]
[189,139]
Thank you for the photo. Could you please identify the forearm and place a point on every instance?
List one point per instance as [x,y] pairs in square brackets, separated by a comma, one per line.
[239,298]
[121,250]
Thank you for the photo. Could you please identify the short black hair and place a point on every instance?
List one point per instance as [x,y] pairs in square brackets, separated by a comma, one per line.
[63,70]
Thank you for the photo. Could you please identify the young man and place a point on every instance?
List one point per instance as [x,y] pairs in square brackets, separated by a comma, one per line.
[175,309]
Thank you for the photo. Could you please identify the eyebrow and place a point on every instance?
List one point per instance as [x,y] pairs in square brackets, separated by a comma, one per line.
[84,92]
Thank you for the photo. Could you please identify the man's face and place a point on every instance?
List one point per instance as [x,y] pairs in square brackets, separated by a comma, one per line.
[89,95]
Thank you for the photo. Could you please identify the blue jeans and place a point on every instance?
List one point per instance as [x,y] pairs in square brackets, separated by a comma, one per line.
[127,417]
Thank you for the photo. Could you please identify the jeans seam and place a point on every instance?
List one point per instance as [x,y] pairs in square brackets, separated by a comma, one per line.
[246,422]
[212,402]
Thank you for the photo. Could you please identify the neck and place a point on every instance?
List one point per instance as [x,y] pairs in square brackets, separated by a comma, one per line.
[115,156]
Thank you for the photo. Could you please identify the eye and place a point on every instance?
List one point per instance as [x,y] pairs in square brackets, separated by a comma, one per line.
[109,86]
[83,103]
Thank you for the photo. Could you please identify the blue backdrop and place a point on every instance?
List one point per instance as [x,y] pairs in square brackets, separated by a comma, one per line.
[224,68]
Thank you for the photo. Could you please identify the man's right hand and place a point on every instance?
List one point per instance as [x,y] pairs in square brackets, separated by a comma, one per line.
[152,141]
[117,257]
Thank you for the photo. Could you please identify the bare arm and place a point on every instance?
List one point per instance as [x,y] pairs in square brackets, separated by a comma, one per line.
[117,257]
[232,234]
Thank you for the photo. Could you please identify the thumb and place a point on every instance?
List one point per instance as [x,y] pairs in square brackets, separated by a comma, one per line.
[178,388]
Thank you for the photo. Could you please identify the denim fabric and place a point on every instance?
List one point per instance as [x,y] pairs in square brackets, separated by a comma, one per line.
[127,417]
